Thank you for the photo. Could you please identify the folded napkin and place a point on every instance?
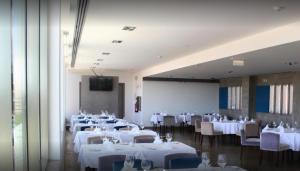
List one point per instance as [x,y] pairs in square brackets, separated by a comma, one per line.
[266,127]
[252,120]
[215,120]
[157,140]
[281,128]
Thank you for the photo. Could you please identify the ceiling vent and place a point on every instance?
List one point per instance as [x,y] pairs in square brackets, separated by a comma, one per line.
[80,18]
[105,53]
[117,41]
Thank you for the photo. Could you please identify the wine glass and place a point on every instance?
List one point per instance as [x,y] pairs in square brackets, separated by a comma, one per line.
[205,159]
[169,137]
[129,161]
[142,126]
[222,160]
[115,140]
[146,165]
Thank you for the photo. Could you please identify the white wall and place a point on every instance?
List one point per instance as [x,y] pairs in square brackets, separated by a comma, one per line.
[72,94]
[177,97]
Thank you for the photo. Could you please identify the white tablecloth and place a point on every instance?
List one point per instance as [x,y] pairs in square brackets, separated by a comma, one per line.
[124,136]
[289,137]
[228,127]
[77,127]
[184,118]
[157,118]
[89,154]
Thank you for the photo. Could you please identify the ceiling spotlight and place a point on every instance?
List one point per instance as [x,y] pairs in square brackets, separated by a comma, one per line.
[291,63]
[229,72]
[105,53]
[160,57]
[100,59]
[117,41]
[238,62]
[129,28]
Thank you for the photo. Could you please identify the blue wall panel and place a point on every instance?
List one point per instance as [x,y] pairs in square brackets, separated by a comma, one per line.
[262,98]
[223,97]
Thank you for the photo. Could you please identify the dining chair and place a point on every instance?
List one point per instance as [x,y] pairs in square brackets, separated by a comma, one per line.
[248,142]
[118,165]
[170,157]
[84,127]
[197,128]
[252,130]
[144,139]
[184,163]
[271,142]
[105,163]
[194,118]
[207,129]
[169,122]
[95,140]
[89,129]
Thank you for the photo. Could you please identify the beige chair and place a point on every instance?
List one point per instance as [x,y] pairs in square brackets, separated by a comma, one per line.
[95,140]
[144,139]
[89,129]
[194,118]
[170,157]
[98,139]
[105,163]
[207,129]
[252,130]
[197,128]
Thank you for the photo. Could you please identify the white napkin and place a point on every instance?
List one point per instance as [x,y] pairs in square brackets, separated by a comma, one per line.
[266,127]
[90,122]
[281,128]
[215,120]
[157,140]
[252,120]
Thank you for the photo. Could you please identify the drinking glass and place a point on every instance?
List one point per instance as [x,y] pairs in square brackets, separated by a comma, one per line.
[205,159]
[169,137]
[222,160]
[129,161]
[142,126]
[115,140]
[146,165]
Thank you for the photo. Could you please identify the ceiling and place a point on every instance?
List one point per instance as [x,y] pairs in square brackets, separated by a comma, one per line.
[265,61]
[167,30]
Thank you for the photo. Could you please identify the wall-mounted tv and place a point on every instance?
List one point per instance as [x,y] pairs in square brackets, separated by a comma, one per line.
[101,83]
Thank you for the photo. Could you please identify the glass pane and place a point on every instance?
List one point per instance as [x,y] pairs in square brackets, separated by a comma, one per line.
[272,96]
[285,99]
[19,85]
[278,99]
[291,98]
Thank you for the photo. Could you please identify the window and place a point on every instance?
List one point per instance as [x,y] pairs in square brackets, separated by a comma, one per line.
[281,99]
[235,97]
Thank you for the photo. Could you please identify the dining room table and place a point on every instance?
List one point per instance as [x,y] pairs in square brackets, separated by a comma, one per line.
[124,136]
[89,153]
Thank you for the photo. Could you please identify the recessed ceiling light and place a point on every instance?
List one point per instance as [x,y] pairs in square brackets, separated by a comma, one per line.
[129,28]
[160,57]
[105,53]
[278,8]
[229,72]
[291,63]
[100,59]
[238,62]
[117,41]
[96,63]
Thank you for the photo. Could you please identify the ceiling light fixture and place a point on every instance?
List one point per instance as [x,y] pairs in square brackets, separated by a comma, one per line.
[160,57]
[238,62]
[100,60]
[278,8]
[106,53]
[129,28]
[117,41]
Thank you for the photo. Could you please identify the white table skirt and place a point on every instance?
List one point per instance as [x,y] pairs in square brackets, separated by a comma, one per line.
[81,137]
[289,137]
[228,127]
[89,154]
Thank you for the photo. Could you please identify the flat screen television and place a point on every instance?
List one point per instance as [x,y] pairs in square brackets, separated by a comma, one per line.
[101,83]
